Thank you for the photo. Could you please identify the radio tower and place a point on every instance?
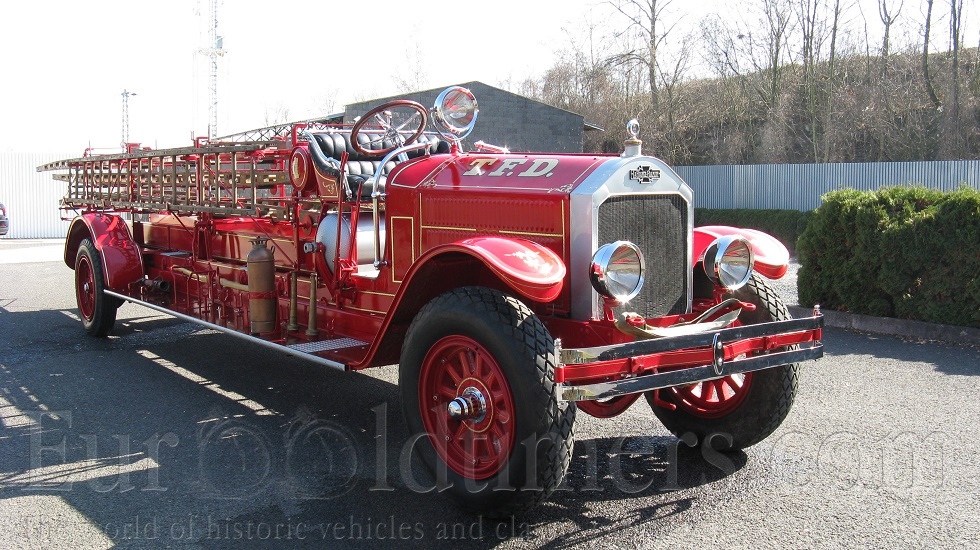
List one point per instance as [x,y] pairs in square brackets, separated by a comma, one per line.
[213,52]
[125,117]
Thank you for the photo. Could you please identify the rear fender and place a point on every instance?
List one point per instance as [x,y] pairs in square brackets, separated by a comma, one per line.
[771,257]
[122,260]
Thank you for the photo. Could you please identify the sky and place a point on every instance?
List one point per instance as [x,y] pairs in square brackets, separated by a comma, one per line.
[66,63]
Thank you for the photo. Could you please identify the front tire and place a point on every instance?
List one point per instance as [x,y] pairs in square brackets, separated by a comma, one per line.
[740,410]
[478,343]
[96,309]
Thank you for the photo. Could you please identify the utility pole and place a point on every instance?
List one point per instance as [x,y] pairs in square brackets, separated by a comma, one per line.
[213,52]
[125,117]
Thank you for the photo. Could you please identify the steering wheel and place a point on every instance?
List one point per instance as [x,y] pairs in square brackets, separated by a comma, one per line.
[403,112]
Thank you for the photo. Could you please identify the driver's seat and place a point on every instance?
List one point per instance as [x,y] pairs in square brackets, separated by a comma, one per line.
[361,168]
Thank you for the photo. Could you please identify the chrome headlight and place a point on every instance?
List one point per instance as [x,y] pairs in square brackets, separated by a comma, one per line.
[728,261]
[617,270]
[455,111]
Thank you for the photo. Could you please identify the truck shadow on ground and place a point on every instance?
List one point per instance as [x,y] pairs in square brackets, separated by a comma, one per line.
[170,435]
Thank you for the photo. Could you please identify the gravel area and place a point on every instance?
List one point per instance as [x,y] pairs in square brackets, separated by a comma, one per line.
[786,286]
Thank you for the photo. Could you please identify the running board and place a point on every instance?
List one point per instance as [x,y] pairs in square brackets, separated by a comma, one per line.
[297,351]
[326,345]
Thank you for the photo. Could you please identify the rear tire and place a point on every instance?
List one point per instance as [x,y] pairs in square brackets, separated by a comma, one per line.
[740,410]
[96,309]
[516,454]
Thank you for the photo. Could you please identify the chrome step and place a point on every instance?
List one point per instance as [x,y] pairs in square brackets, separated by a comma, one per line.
[326,345]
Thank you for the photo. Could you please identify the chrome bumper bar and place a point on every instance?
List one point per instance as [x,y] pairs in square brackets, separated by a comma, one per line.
[719,368]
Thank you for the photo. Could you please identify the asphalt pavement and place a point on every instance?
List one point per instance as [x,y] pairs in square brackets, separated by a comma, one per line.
[169,435]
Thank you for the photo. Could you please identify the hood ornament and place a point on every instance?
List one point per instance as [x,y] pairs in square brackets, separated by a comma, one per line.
[632,146]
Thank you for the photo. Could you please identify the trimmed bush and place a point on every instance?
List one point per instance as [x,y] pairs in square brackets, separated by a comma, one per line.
[785,225]
[906,252]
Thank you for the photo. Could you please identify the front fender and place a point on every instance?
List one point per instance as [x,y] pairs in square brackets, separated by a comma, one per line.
[122,261]
[532,270]
[771,257]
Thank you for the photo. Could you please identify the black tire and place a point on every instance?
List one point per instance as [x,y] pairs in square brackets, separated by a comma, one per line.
[96,309]
[767,400]
[506,332]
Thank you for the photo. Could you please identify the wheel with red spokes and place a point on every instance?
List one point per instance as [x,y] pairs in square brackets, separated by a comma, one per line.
[739,410]
[714,398]
[479,397]
[476,424]
[97,310]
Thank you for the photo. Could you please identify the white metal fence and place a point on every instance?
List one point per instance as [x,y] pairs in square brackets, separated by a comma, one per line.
[799,186]
[31,198]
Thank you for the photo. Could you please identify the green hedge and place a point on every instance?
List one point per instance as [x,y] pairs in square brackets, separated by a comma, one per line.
[912,253]
[785,225]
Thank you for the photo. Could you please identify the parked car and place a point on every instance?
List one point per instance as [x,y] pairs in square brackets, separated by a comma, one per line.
[4,224]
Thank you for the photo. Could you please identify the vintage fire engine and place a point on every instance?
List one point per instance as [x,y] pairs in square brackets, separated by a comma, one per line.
[511,288]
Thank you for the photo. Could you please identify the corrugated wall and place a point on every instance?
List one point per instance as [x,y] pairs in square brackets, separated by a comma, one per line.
[799,186]
[31,197]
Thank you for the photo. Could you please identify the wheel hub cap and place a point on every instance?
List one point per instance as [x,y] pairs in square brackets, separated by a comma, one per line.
[471,405]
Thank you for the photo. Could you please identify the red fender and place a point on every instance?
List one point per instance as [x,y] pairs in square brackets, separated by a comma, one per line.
[771,257]
[530,269]
[122,261]
[527,268]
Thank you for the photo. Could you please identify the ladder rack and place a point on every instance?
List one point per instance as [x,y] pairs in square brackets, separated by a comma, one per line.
[223,179]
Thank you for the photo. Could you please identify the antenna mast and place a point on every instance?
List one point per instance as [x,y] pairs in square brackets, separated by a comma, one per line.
[213,52]
[125,117]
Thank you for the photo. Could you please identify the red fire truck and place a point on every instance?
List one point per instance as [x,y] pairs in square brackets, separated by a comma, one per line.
[512,289]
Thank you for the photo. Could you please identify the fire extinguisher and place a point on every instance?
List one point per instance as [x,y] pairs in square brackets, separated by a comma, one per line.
[262,295]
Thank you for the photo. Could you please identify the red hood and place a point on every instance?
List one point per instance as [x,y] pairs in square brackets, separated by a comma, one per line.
[549,172]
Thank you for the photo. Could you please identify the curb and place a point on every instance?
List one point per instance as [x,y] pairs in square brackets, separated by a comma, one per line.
[919,330]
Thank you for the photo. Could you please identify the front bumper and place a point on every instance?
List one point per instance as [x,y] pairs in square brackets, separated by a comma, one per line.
[621,369]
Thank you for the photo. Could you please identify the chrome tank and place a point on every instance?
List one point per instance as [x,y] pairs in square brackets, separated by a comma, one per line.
[326,234]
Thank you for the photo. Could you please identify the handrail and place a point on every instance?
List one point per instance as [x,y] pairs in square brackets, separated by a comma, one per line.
[378,193]
[318,154]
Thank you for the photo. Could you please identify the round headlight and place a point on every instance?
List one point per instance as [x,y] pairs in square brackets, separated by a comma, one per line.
[728,262]
[456,109]
[617,270]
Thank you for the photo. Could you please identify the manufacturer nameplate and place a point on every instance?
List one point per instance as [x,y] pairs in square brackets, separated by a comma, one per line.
[644,174]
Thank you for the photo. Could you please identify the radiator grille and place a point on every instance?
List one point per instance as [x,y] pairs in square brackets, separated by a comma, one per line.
[658,225]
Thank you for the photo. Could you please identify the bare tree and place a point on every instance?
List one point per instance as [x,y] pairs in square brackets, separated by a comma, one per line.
[675,117]
[411,75]
[888,17]
[831,79]
[756,54]
[646,16]
[790,82]
[812,26]
[276,114]
[324,102]
[930,89]
[955,126]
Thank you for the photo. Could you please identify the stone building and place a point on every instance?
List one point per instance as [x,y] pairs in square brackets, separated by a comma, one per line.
[506,119]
